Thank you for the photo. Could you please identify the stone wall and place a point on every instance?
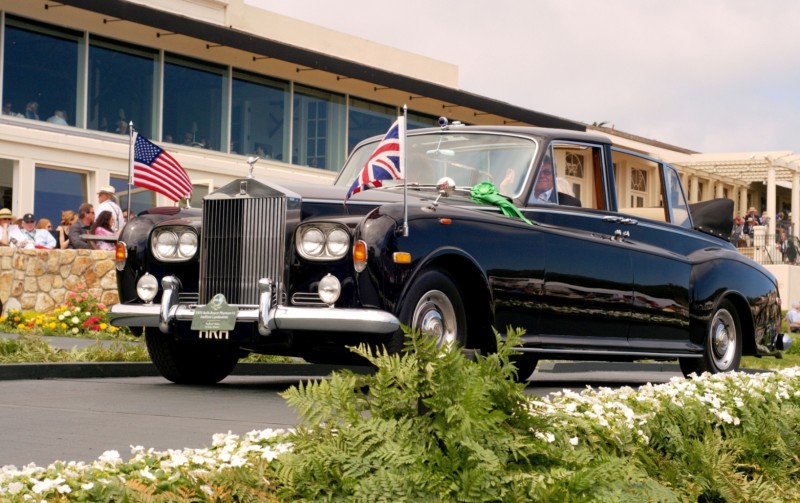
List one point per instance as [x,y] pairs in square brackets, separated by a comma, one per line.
[39,280]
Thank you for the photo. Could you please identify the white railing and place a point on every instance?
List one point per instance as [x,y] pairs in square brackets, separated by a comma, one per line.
[766,248]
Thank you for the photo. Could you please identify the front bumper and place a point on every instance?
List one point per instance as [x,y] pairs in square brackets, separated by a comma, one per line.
[267,316]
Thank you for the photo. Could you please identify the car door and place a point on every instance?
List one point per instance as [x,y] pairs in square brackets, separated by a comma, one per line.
[660,236]
[588,289]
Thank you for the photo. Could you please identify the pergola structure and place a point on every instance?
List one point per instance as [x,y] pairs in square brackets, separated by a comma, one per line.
[765,167]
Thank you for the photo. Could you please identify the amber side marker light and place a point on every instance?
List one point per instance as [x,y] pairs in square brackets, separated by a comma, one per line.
[360,255]
[445,221]
[120,255]
[401,257]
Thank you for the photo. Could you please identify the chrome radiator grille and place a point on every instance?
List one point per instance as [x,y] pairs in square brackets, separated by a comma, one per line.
[242,241]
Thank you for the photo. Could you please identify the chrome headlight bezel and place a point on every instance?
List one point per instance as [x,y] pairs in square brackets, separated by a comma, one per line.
[174,243]
[322,241]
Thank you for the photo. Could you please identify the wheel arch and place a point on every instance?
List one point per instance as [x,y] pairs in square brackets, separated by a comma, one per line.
[468,277]
[746,321]
[743,312]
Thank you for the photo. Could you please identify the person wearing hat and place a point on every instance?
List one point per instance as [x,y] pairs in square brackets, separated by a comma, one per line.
[28,237]
[107,196]
[6,226]
[793,317]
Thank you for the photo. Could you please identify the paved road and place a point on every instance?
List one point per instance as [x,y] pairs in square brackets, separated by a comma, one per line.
[74,418]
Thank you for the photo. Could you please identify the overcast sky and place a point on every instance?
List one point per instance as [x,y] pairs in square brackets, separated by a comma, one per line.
[708,75]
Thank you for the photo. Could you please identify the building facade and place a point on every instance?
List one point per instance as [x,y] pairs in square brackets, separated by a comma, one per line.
[216,81]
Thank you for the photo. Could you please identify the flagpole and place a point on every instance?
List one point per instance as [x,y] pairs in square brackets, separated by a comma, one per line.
[130,164]
[403,169]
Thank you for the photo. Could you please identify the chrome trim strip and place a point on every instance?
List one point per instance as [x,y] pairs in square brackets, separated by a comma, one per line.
[601,352]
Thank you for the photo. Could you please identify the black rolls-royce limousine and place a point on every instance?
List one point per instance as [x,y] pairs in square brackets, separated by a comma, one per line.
[593,250]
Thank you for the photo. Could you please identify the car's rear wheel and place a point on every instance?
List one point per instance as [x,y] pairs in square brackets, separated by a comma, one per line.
[722,350]
[190,362]
[433,307]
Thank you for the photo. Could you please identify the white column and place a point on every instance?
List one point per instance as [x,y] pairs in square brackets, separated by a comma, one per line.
[694,187]
[796,203]
[771,203]
[720,190]
[742,200]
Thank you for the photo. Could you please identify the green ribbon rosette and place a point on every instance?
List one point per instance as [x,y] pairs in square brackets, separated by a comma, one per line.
[486,193]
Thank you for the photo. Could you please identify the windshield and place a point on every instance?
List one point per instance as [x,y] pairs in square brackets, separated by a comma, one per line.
[467,158]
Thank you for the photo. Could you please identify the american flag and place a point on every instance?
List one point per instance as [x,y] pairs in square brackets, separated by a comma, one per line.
[155,169]
[386,163]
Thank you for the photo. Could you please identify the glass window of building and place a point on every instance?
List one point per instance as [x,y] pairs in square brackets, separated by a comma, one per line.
[121,87]
[141,199]
[40,70]
[56,190]
[194,93]
[318,127]
[416,120]
[367,119]
[6,182]
[259,116]
[199,191]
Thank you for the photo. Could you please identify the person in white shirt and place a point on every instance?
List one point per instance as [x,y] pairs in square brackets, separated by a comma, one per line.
[28,237]
[793,317]
[107,196]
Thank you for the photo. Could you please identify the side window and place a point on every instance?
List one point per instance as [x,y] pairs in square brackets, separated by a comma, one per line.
[569,174]
[648,188]
[678,207]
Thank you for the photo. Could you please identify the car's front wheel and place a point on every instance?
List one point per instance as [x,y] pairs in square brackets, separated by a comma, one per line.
[190,362]
[722,350]
[433,307]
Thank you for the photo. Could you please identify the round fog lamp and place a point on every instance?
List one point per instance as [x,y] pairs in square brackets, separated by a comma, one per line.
[147,287]
[329,289]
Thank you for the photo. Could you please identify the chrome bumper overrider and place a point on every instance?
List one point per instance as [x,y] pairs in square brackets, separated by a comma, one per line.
[267,317]
[785,342]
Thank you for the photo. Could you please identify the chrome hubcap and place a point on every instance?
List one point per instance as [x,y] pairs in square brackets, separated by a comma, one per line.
[723,339]
[436,317]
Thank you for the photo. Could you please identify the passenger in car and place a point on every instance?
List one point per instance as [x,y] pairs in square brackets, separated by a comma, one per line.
[543,190]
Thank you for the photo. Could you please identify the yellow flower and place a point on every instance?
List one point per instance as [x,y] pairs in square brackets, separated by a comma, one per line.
[103,326]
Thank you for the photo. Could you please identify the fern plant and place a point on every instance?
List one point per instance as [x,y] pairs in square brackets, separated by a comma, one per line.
[427,425]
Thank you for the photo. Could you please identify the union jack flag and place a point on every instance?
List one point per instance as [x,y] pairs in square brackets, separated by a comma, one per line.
[386,163]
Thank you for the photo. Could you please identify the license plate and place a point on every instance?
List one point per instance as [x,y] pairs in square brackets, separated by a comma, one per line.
[220,335]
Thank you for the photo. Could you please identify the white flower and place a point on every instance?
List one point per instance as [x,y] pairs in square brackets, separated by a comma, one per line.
[78,309]
[573,440]
[147,474]
[75,330]
[75,320]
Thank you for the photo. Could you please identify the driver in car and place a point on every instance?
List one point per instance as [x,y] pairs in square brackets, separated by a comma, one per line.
[544,191]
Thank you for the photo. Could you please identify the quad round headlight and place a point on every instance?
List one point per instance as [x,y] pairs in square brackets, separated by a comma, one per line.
[174,243]
[338,242]
[312,242]
[322,241]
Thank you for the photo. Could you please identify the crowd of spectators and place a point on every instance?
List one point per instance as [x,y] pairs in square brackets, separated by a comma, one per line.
[785,243]
[78,230]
